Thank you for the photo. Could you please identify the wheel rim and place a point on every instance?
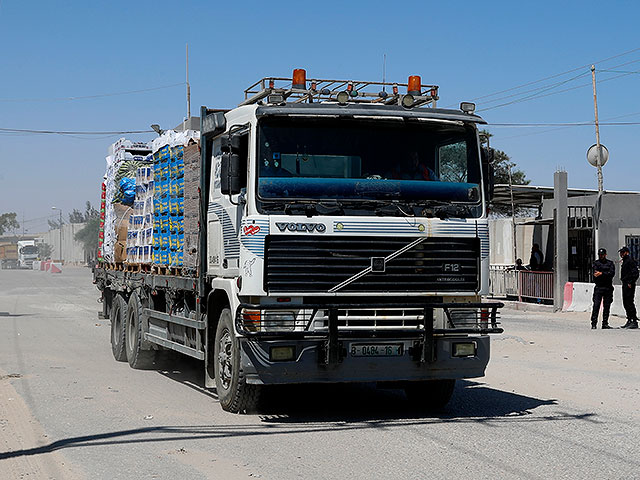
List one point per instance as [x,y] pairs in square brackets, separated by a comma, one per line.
[117,325]
[131,334]
[225,359]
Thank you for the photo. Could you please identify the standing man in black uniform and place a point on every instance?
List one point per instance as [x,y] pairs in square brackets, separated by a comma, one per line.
[603,272]
[628,276]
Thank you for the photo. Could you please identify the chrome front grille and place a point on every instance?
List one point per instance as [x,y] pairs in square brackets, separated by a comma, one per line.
[317,263]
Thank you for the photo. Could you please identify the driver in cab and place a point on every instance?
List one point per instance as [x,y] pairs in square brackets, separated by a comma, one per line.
[413,169]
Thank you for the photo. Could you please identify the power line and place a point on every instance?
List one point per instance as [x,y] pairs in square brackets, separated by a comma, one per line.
[85,97]
[535,97]
[56,132]
[568,124]
[555,75]
[538,90]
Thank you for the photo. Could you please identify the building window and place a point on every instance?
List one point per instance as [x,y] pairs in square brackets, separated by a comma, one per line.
[633,243]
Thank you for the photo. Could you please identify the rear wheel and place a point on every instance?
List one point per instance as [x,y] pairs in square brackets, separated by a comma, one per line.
[139,357]
[118,316]
[235,395]
[430,394]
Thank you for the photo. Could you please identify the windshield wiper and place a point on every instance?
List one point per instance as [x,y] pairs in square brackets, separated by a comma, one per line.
[448,210]
[307,208]
[389,207]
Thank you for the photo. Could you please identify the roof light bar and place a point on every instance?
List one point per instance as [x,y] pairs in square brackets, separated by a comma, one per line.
[468,107]
[414,85]
[300,78]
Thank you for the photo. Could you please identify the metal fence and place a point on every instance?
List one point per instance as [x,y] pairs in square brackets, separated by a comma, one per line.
[505,281]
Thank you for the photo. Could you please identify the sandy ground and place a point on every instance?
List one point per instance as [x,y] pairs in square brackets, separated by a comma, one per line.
[559,401]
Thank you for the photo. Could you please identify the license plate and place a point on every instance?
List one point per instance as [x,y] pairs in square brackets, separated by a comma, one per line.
[376,349]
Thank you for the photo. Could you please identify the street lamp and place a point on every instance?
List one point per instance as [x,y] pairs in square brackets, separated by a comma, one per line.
[60,210]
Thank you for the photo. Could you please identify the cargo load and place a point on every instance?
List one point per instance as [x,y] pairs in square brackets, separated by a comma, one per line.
[169,195]
[123,161]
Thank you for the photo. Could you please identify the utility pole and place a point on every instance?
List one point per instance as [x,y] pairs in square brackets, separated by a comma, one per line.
[60,210]
[188,87]
[513,217]
[599,149]
[598,157]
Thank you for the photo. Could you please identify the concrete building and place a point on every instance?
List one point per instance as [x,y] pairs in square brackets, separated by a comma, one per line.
[72,251]
[570,226]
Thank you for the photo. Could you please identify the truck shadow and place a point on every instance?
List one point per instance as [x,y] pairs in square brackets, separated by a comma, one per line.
[364,401]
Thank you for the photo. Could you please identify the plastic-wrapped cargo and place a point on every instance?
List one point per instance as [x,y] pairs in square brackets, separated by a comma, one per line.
[169,196]
[123,161]
[191,205]
[140,235]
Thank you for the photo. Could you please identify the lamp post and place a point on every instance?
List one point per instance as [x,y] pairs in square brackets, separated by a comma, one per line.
[60,210]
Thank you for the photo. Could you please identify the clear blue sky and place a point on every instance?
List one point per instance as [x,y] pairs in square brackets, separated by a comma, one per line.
[471,49]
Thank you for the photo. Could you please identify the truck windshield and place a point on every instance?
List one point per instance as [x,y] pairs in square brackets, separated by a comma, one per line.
[355,160]
[29,250]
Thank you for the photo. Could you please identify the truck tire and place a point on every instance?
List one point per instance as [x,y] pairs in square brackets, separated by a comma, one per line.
[118,317]
[430,394]
[139,357]
[235,395]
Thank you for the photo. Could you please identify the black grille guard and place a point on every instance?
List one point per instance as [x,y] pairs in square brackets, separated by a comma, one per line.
[485,323]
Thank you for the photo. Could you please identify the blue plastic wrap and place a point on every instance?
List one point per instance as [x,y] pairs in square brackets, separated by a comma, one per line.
[128,190]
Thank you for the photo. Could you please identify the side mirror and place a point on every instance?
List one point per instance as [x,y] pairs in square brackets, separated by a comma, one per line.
[488,173]
[230,174]
[212,124]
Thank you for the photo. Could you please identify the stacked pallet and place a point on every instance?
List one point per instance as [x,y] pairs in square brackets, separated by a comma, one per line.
[169,153]
[124,158]
[168,205]
[191,205]
[140,231]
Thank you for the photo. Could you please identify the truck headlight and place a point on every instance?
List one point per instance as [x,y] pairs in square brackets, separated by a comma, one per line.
[464,349]
[268,320]
[278,321]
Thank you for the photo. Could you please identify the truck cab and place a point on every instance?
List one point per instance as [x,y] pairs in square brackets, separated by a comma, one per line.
[27,253]
[347,231]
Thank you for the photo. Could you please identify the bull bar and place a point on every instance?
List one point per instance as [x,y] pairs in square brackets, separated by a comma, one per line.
[485,321]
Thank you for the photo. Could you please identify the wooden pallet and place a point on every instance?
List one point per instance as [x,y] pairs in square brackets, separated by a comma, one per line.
[132,267]
[114,266]
[165,270]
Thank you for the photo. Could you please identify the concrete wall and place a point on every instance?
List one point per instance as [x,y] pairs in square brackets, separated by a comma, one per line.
[72,250]
[501,241]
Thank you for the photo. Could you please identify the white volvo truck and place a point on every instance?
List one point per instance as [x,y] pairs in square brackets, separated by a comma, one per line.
[27,253]
[343,238]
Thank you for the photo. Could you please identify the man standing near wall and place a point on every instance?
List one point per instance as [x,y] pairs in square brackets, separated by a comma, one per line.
[628,276]
[603,272]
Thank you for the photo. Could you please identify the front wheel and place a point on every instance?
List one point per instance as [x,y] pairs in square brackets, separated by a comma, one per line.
[235,395]
[430,394]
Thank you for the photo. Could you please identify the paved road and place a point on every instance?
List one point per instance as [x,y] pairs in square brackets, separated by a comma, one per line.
[559,401]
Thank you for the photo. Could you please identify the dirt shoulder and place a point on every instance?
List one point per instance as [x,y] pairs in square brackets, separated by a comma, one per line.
[25,450]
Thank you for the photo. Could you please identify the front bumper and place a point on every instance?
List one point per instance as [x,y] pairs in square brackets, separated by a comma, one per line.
[309,365]
[325,355]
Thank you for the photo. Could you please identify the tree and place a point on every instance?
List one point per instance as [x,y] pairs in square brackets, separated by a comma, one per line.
[44,250]
[76,216]
[88,235]
[502,164]
[8,222]
[54,224]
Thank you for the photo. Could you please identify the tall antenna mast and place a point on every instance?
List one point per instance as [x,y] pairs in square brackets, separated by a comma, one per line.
[384,70]
[188,87]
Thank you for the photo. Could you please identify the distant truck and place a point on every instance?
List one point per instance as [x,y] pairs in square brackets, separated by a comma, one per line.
[8,255]
[343,237]
[27,253]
